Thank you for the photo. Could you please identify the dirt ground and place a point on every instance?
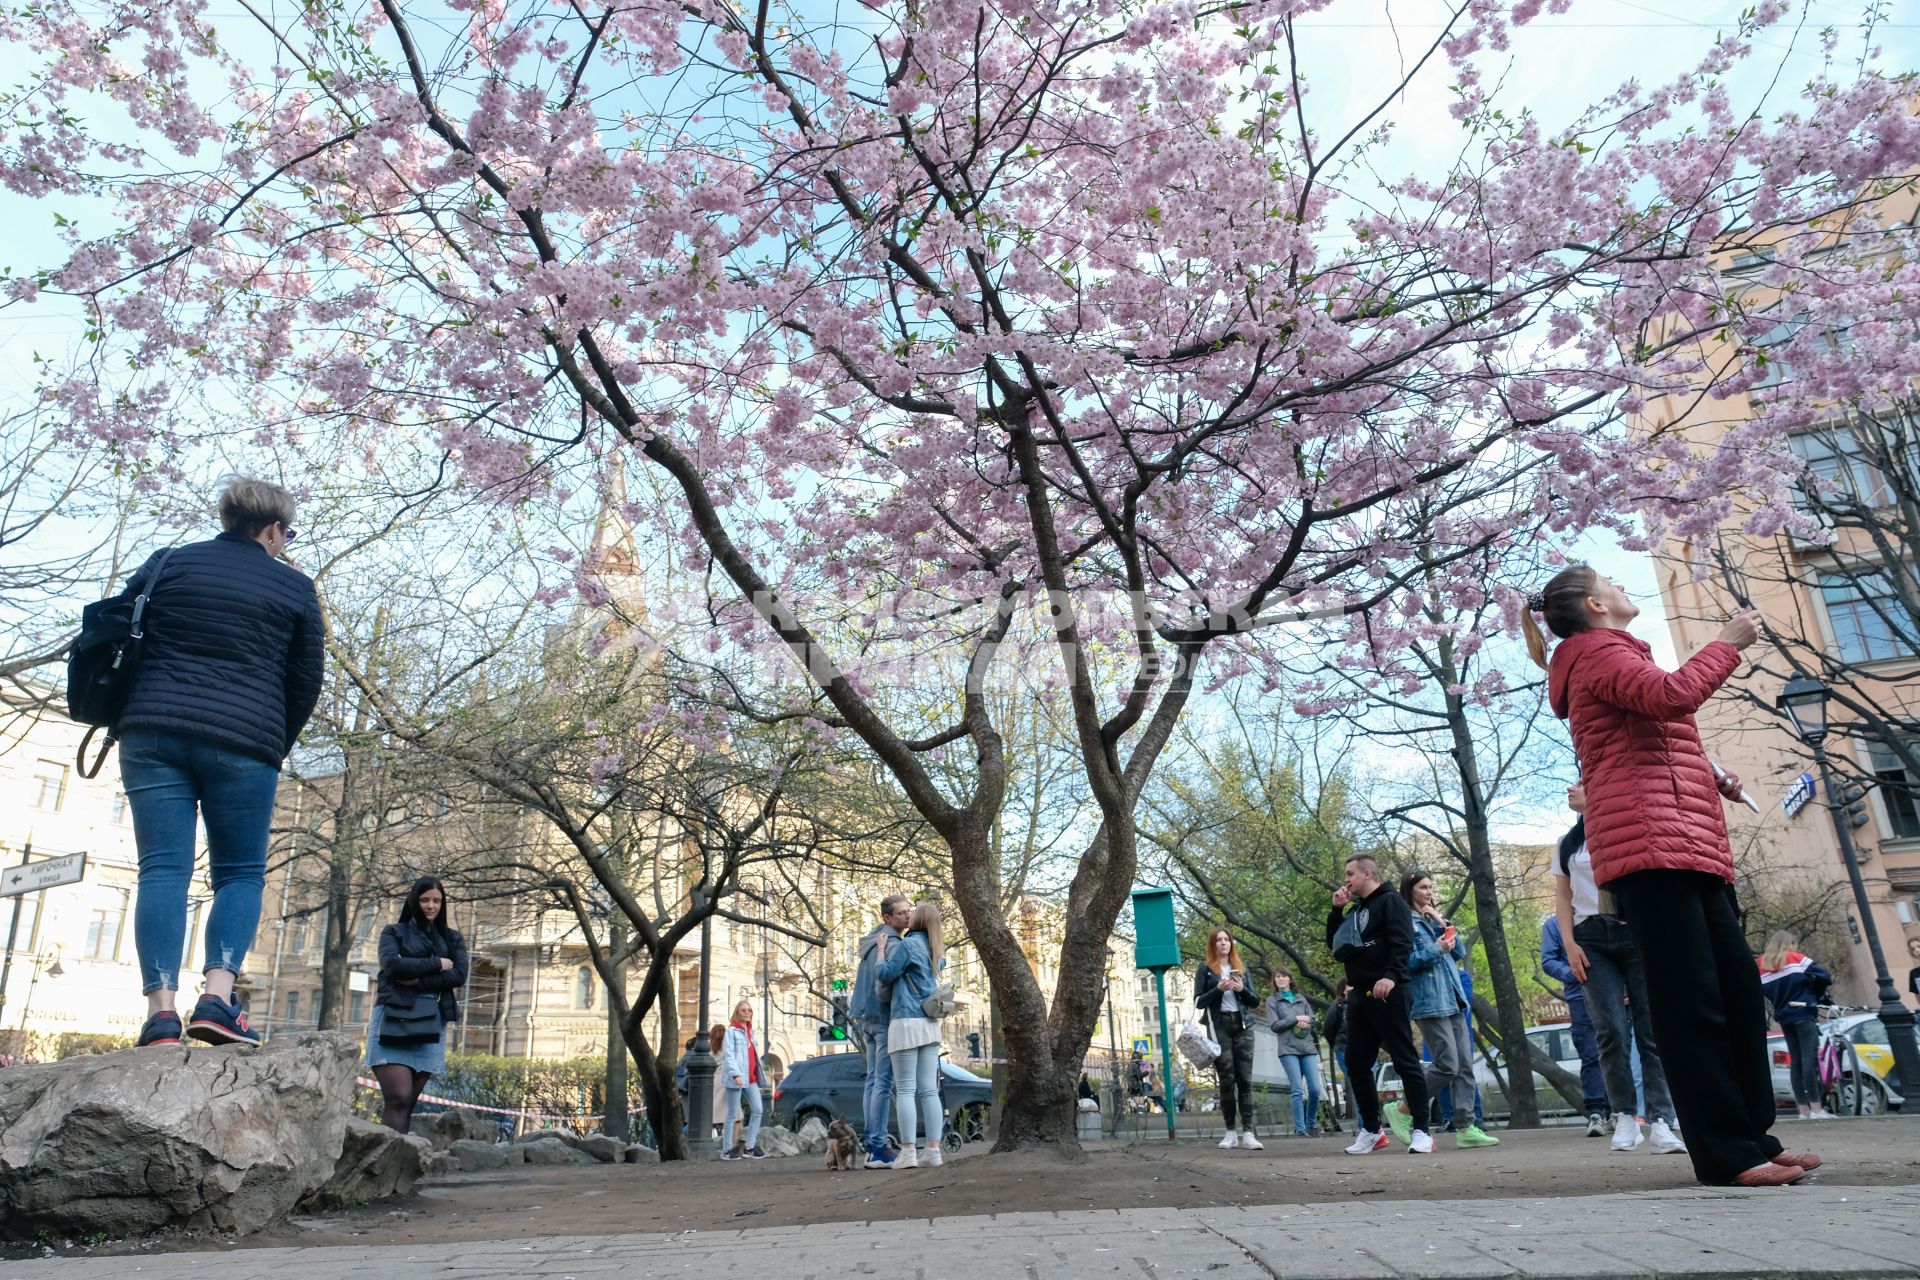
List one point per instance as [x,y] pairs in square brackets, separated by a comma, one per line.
[577,1200]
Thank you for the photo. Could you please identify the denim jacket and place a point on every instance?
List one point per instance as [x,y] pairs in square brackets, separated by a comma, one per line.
[1436,988]
[872,998]
[908,965]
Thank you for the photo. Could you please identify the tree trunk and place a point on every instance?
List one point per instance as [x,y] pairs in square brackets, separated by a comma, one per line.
[615,1124]
[1486,905]
[336,944]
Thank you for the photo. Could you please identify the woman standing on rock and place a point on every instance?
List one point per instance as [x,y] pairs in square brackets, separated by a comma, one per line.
[740,1073]
[230,672]
[423,961]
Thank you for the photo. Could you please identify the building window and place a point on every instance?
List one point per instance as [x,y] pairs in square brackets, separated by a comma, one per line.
[583,987]
[49,785]
[1844,467]
[293,1009]
[364,929]
[103,933]
[1870,624]
[1899,791]
[356,1007]
[297,934]
[120,806]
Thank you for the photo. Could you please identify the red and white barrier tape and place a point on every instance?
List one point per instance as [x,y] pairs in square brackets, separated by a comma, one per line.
[365,1083]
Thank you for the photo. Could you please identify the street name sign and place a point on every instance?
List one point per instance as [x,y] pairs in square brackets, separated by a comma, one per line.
[31,877]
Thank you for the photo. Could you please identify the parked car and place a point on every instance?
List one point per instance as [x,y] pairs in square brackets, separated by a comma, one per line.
[1868,1035]
[834,1084]
[1553,1040]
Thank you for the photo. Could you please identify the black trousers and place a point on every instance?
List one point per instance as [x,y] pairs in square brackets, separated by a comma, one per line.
[1373,1025]
[1708,1016]
[1803,1057]
[1234,1068]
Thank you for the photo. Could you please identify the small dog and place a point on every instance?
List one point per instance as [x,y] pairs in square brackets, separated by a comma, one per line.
[844,1148]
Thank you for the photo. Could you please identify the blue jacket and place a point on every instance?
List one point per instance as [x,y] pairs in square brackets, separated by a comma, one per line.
[1796,989]
[1437,991]
[908,965]
[234,649]
[1553,958]
[871,1000]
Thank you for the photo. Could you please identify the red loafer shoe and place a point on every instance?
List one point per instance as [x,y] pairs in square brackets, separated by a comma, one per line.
[1769,1175]
[1805,1159]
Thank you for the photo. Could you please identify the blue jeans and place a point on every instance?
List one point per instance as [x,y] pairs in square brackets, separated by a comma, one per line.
[1593,1086]
[1306,1106]
[169,778]
[751,1092]
[1622,1016]
[877,1098]
[917,1073]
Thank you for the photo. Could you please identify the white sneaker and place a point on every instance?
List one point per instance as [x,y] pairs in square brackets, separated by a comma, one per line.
[931,1158]
[1820,1113]
[1420,1143]
[1366,1142]
[1231,1141]
[1626,1133]
[1596,1125]
[908,1158]
[1248,1142]
[1665,1141]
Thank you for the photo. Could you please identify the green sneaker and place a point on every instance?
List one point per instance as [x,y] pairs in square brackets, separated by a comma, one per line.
[1400,1120]
[1474,1136]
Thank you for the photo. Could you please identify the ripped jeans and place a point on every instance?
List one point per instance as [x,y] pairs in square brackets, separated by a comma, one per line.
[172,779]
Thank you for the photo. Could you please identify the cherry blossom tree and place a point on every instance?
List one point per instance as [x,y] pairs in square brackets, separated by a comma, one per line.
[947,316]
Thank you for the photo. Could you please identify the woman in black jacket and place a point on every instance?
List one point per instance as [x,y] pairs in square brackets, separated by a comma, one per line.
[423,961]
[1220,991]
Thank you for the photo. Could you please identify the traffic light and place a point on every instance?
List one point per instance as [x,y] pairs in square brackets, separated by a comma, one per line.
[973,1045]
[1853,797]
[839,1028]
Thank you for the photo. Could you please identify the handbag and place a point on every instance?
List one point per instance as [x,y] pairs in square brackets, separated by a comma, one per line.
[1195,1044]
[415,1024]
[102,663]
[941,1003]
[1348,941]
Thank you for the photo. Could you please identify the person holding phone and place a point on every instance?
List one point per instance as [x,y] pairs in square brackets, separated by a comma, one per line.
[1220,993]
[1440,1011]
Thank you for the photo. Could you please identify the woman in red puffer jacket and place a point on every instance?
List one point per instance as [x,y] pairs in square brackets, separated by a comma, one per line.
[1658,840]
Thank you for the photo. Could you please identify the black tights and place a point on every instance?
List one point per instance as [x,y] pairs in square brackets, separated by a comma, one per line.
[400,1090]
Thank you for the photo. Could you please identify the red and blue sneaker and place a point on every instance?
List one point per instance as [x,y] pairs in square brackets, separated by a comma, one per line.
[218,1021]
[161,1028]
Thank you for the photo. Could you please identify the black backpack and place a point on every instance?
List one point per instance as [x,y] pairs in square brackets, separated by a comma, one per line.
[102,662]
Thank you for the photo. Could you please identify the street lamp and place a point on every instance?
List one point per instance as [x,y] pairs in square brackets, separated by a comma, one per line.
[1804,699]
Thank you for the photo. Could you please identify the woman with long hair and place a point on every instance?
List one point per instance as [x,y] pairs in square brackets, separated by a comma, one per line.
[1658,840]
[1796,987]
[1220,992]
[740,1075]
[423,962]
[1440,1011]
[913,1039]
[1291,1019]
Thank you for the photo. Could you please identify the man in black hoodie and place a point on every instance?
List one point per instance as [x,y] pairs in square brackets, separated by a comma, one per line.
[1378,1014]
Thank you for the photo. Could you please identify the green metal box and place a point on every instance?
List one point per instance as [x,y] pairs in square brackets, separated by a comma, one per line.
[1156,943]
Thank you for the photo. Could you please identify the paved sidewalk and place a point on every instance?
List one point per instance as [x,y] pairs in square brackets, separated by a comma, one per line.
[1838,1233]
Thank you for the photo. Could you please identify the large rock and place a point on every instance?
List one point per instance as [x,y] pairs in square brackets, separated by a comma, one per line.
[226,1139]
[640,1153]
[602,1148]
[445,1128]
[477,1156]
[549,1151]
[375,1162]
[812,1137]
[778,1141]
[567,1136]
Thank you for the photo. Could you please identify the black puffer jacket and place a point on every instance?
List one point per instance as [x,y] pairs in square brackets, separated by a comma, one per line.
[233,651]
[410,963]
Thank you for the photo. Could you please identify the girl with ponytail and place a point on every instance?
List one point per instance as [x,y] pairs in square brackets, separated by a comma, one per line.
[1658,841]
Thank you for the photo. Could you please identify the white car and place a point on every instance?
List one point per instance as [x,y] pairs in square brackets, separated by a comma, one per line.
[1553,1040]
[1868,1036]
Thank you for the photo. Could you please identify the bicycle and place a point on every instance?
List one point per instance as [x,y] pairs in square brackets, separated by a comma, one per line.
[1847,1087]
